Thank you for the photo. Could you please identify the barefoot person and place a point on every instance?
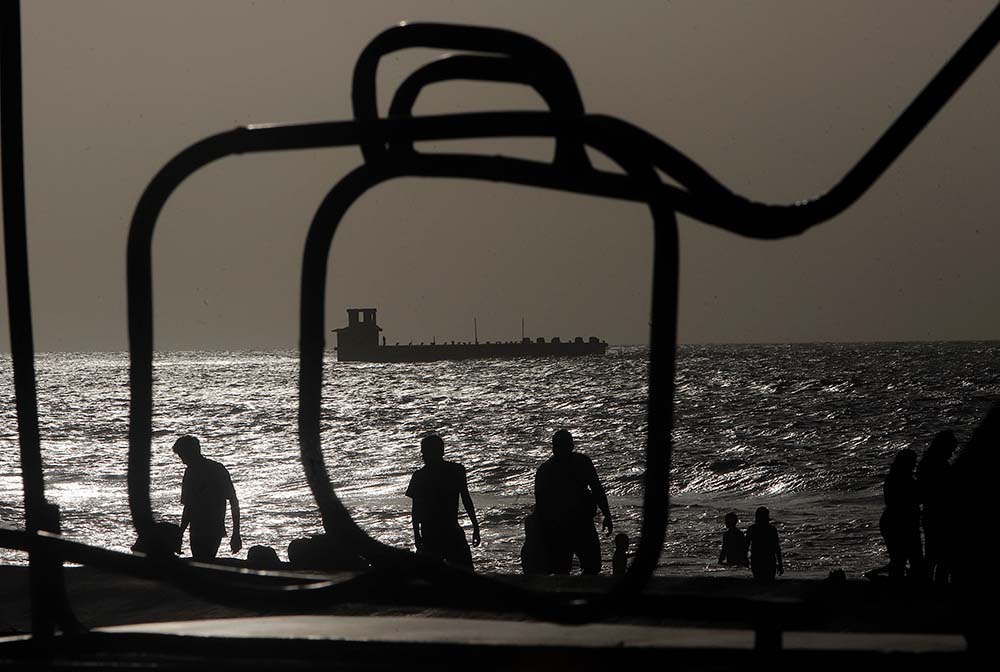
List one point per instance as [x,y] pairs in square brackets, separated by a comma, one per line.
[206,487]
[435,490]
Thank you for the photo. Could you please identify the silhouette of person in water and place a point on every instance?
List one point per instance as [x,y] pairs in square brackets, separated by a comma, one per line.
[900,521]
[206,487]
[619,561]
[932,487]
[435,489]
[534,559]
[567,493]
[734,544]
[763,547]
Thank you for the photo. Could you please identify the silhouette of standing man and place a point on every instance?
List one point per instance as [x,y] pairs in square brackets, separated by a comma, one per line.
[435,489]
[900,521]
[763,547]
[932,486]
[567,493]
[206,487]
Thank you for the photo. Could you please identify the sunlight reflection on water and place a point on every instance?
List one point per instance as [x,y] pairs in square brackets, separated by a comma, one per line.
[806,430]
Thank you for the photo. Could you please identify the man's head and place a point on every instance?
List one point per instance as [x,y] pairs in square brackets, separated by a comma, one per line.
[731,519]
[944,444]
[762,515]
[432,448]
[903,464]
[562,443]
[187,448]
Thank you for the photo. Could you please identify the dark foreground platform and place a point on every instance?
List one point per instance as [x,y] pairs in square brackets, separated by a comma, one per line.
[682,623]
[422,642]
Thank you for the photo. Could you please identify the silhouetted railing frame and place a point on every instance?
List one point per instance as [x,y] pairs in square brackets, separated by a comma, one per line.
[387,148]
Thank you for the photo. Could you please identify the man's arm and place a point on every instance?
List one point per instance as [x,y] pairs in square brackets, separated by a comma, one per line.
[594,481]
[777,554]
[236,541]
[416,526]
[415,491]
[185,514]
[470,509]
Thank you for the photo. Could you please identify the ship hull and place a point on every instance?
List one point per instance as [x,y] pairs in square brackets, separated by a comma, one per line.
[463,351]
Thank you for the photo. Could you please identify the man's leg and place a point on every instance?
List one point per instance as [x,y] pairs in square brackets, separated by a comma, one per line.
[459,552]
[764,572]
[558,553]
[204,548]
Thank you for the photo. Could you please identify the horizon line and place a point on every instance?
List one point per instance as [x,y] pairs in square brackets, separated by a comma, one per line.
[610,345]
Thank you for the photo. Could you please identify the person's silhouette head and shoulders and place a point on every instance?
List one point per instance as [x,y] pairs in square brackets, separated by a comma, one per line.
[562,445]
[432,450]
[438,476]
[188,449]
[565,455]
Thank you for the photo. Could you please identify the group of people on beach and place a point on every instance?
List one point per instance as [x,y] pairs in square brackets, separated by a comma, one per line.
[560,527]
[758,548]
[916,497]
[568,493]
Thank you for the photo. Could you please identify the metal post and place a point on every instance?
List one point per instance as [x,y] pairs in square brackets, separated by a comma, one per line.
[47,595]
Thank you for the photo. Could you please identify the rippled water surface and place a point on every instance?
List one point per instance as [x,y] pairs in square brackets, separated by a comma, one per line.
[806,430]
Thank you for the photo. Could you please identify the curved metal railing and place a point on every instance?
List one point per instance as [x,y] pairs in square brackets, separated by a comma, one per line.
[387,147]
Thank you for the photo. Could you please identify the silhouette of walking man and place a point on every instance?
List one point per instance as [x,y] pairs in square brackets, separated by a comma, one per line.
[763,547]
[206,487]
[435,489]
[567,493]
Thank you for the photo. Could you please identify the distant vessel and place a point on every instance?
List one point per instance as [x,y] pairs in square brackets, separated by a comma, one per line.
[359,342]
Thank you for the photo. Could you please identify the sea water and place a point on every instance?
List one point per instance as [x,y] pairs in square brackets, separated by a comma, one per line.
[806,430]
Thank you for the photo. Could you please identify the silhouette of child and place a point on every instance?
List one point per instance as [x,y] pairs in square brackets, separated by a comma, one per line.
[734,544]
[619,561]
[763,547]
[533,555]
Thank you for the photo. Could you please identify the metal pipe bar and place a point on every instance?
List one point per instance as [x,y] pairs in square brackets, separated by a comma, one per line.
[16,251]
[704,197]
[560,96]
[49,605]
[547,63]
[312,346]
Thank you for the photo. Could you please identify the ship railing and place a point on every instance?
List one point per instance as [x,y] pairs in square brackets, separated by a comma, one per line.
[387,147]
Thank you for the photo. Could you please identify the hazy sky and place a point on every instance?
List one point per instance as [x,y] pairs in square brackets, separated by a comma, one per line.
[776,99]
